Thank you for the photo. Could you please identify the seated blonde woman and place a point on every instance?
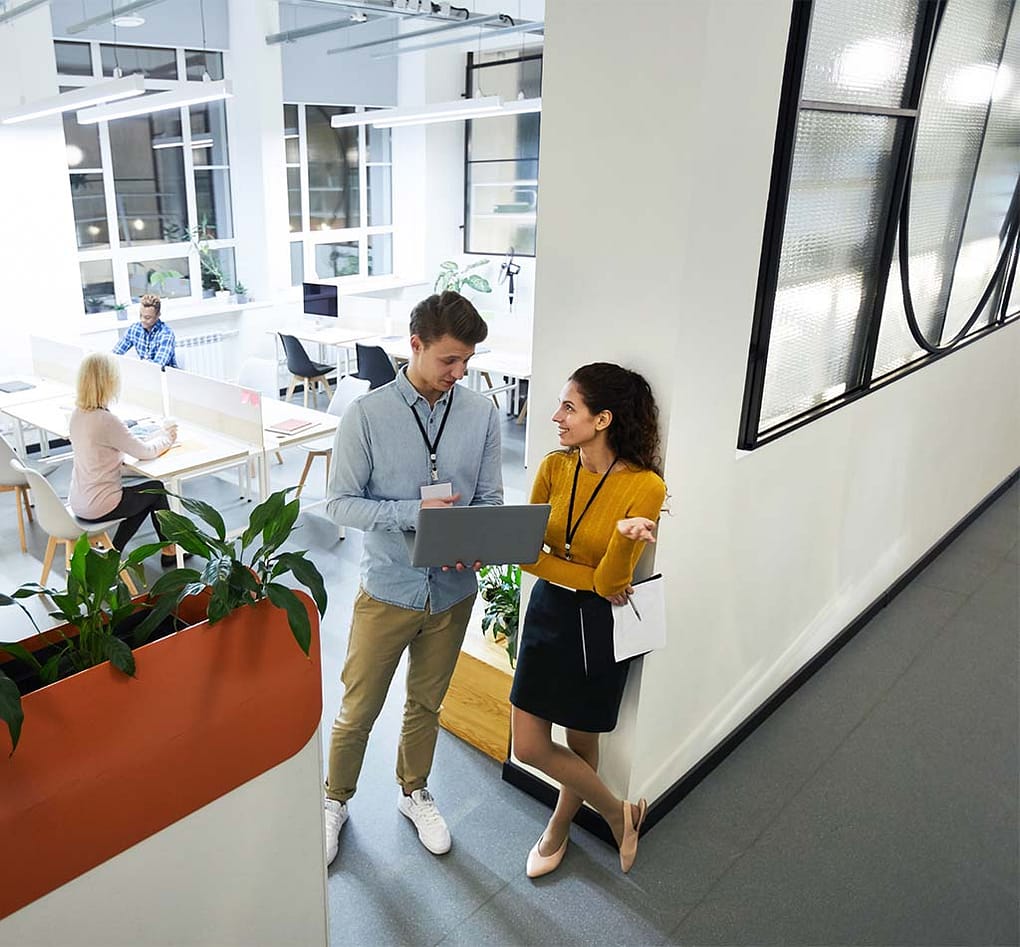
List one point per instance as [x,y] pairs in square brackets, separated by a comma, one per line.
[100,440]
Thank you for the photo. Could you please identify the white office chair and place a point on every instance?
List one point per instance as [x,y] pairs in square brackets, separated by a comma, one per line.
[347,389]
[261,375]
[12,480]
[62,525]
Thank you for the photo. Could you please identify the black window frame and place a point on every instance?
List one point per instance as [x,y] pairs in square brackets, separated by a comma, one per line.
[469,70]
[896,213]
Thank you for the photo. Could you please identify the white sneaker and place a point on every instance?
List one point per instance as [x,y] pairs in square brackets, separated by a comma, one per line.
[421,809]
[335,815]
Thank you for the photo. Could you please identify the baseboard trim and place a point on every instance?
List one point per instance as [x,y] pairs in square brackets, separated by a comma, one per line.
[591,821]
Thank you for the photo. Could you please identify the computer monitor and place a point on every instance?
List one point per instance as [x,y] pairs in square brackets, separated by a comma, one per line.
[321,299]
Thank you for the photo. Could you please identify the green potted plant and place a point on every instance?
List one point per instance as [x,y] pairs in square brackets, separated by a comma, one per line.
[240,292]
[222,701]
[159,278]
[233,576]
[454,278]
[500,589]
[121,311]
[97,610]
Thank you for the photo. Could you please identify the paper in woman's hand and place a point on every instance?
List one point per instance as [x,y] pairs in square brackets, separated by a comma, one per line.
[640,625]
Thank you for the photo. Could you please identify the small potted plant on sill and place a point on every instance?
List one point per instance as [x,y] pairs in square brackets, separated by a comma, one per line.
[500,588]
[159,278]
[240,292]
[120,310]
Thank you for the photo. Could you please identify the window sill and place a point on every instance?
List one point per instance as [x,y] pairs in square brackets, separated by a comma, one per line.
[172,314]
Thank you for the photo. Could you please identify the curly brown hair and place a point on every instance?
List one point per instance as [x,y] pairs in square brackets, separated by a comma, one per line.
[634,431]
[150,301]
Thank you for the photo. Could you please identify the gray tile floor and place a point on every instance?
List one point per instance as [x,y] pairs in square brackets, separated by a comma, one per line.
[878,805]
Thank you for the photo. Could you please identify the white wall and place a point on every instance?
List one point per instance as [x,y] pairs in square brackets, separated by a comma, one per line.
[768,554]
[38,255]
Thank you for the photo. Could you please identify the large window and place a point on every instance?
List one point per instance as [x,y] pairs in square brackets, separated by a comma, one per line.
[339,195]
[501,157]
[145,189]
[891,232]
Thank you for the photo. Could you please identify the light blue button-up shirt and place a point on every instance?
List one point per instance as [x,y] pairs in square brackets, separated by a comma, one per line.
[380,464]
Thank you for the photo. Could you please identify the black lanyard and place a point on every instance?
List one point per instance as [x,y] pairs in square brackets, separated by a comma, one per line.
[429,445]
[571,526]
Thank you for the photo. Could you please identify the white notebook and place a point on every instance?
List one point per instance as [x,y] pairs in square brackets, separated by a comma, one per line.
[640,625]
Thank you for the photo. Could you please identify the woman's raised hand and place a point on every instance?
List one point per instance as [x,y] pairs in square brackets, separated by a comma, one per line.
[638,528]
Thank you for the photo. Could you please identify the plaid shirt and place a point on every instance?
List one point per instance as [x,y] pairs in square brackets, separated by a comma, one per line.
[155,345]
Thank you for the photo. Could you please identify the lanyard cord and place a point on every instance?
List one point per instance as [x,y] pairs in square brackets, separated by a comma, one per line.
[429,445]
[571,525]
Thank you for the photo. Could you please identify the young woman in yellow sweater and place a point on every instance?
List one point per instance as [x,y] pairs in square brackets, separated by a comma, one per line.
[606,495]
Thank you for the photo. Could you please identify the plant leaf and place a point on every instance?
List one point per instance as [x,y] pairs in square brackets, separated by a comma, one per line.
[158,612]
[243,582]
[261,515]
[171,583]
[19,651]
[142,553]
[478,283]
[449,266]
[307,574]
[179,529]
[10,709]
[297,617]
[119,655]
[476,264]
[216,570]
[219,604]
[207,513]
[280,527]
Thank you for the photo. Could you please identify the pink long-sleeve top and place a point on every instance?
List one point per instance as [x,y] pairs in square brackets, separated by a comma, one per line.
[100,441]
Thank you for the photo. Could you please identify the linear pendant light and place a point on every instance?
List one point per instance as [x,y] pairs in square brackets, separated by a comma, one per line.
[514,107]
[459,110]
[122,88]
[190,93]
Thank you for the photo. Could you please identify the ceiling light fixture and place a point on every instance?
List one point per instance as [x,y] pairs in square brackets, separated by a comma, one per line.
[120,88]
[387,40]
[128,22]
[21,8]
[459,110]
[189,93]
[535,27]
[110,15]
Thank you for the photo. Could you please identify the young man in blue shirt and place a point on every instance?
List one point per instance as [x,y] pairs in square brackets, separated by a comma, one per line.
[151,338]
[420,430]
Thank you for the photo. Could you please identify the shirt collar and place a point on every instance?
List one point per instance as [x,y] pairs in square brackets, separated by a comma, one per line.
[410,394]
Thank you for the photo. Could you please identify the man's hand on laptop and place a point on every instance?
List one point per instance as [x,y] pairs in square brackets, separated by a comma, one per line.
[439,503]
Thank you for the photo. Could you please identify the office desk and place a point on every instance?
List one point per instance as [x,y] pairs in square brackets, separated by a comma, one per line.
[322,425]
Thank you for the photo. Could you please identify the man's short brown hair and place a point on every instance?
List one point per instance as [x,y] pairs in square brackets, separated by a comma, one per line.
[448,314]
[150,301]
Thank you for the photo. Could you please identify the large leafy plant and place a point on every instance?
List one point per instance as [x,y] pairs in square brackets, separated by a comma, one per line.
[500,588]
[453,278]
[243,570]
[96,602]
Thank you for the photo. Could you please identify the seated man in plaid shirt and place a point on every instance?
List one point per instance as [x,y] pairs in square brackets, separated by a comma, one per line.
[152,338]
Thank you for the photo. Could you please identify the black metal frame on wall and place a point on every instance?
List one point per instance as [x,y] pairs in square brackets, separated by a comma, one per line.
[895,225]
[470,68]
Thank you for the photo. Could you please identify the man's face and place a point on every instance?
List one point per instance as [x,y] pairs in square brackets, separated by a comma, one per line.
[442,363]
[148,317]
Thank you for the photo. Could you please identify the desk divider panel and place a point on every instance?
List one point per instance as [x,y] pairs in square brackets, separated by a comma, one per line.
[56,361]
[218,406]
[141,384]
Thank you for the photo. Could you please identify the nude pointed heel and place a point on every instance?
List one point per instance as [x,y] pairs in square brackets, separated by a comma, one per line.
[539,864]
[631,833]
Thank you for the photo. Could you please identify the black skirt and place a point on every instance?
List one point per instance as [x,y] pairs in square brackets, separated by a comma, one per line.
[565,670]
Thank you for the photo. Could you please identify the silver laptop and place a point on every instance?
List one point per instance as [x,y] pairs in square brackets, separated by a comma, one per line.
[492,535]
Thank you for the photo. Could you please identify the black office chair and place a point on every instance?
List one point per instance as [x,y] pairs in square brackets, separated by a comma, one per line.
[302,367]
[374,365]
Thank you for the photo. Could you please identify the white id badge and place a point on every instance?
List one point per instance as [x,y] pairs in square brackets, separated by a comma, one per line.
[436,491]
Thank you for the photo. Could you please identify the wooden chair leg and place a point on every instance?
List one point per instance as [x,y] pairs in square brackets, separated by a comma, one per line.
[51,550]
[68,550]
[279,457]
[304,475]
[523,414]
[329,391]
[290,389]
[21,517]
[488,381]
[28,503]
[308,383]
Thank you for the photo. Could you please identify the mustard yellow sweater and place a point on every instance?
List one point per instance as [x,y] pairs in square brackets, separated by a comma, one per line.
[602,560]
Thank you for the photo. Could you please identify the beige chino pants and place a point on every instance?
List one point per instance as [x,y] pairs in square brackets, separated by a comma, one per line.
[380,633]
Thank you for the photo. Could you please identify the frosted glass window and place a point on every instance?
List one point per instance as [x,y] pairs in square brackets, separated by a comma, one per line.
[336,259]
[859,53]
[151,61]
[97,285]
[73,59]
[333,196]
[842,171]
[380,254]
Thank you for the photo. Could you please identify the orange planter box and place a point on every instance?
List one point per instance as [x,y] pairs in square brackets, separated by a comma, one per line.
[106,761]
